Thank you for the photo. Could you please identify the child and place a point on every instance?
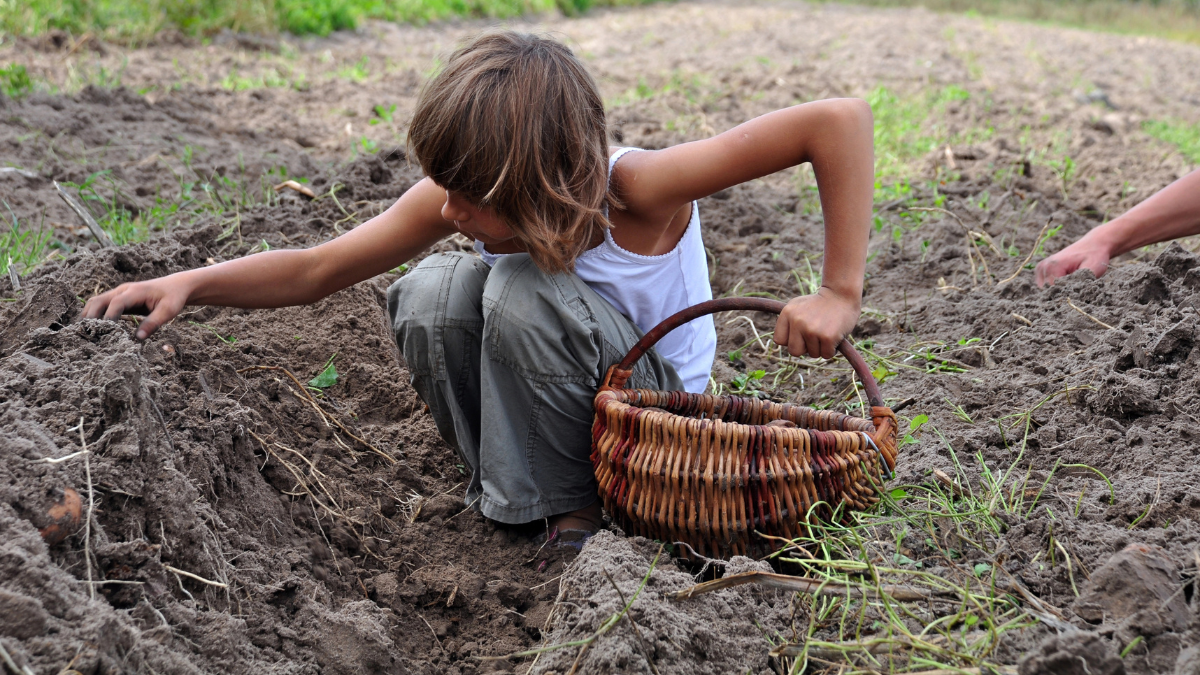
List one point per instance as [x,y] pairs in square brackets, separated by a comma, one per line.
[581,249]
[1169,214]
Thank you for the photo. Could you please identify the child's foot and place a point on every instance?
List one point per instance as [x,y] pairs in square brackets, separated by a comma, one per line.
[588,519]
[574,528]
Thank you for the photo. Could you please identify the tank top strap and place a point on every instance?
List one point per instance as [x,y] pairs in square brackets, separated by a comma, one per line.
[612,163]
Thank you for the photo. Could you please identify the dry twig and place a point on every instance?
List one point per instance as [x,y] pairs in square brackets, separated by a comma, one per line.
[1037,242]
[97,232]
[175,570]
[1098,321]
[327,418]
[87,524]
[636,631]
[293,185]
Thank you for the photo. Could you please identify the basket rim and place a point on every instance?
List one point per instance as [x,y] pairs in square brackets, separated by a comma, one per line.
[610,396]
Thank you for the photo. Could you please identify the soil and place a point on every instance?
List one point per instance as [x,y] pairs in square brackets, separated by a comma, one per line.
[240,525]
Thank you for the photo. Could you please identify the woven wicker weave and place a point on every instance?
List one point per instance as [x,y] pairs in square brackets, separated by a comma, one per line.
[711,470]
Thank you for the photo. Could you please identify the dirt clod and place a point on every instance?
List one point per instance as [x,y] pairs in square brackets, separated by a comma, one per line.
[1073,654]
[1139,578]
[300,546]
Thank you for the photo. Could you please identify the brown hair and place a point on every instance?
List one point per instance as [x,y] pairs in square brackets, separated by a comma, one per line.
[515,123]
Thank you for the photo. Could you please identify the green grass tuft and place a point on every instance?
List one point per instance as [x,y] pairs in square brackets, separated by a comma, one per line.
[138,20]
[1184,136]
[904,132]
[15,81]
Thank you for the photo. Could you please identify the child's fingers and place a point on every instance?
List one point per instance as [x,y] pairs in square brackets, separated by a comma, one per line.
[163,313]
[829,347]
[1050,269]
[95,306]
[117,303]
[130,299]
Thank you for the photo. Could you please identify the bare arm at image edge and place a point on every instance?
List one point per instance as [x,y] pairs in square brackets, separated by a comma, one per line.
[1171,213]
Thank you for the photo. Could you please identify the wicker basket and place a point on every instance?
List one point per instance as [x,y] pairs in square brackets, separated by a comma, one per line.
[711,470]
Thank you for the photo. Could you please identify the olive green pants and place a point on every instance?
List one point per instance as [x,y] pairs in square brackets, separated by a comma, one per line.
[508,359]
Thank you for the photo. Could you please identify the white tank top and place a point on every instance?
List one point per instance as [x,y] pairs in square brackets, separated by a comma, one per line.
[648,289]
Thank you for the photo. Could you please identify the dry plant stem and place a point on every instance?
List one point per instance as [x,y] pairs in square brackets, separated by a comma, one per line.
[987,274]
[100,235]
[1044,613]
[1037,242]
[1098,321]
[12,665]
[435,636]
[59,460]
[87,524]
[303,484]
[326,417]
[293,185]
[799,584]
[189,575]
[1070,570]
[946,480]
[636,631]
[19,172]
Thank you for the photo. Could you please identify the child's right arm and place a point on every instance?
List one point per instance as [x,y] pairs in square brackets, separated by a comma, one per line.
[1171,213]
[288,277]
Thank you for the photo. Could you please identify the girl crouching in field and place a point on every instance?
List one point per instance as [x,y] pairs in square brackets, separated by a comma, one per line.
[582,247]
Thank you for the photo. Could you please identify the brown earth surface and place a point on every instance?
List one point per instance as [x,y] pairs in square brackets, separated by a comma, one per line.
[241,525]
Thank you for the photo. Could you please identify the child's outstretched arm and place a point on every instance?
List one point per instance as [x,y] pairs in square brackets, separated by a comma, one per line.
[283,278]
[1171,213]
[837,137]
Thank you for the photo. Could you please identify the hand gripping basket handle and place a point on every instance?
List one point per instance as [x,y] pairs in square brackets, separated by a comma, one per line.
[621,372]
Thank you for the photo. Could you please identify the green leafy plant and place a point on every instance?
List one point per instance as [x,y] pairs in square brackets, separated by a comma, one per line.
[747,384]
[327,377]
[914,425]
[958,410]
[383,114]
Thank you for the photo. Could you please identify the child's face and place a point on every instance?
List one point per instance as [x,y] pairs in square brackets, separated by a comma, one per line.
[481,224]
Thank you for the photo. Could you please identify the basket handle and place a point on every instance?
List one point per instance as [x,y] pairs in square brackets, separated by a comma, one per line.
[620,373]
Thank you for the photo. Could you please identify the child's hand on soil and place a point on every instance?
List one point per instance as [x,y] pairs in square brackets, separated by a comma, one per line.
[1085,253]
[815,324]
[162,299]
